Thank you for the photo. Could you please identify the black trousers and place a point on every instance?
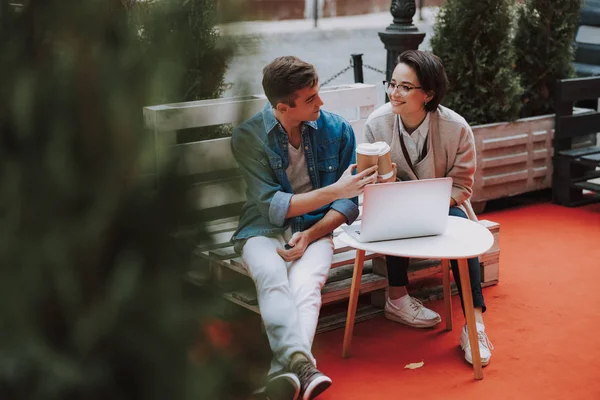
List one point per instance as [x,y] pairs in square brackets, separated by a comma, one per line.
[397,269]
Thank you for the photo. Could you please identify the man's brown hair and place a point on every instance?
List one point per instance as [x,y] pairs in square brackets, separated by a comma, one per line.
[430,72]
[286,75]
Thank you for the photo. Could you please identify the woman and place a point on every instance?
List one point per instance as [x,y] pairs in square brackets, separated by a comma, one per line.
[427,140]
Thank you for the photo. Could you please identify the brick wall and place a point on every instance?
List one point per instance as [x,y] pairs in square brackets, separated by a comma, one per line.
[254,10]
[334,8]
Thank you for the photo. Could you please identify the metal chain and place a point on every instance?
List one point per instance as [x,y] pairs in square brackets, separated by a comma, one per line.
[336,75]
[347,68]
[373,68]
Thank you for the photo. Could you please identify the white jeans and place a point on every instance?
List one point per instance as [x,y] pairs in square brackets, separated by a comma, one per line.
[289,293]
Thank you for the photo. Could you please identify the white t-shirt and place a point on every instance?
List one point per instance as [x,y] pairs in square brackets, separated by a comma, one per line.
[297,171]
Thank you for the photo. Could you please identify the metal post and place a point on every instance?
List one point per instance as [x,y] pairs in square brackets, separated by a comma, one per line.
[316,12]
[358,68]
[401,34]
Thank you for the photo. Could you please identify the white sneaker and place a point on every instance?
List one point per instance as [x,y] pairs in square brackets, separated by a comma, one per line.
[485,346]
[413,313]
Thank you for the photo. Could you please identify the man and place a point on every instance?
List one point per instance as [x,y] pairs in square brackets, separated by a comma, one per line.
[297,162]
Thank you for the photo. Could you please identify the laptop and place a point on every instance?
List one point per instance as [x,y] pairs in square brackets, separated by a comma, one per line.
[400,210]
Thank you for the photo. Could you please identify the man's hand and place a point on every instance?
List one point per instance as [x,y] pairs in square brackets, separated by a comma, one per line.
[349,185]
[392,178]
[299,241]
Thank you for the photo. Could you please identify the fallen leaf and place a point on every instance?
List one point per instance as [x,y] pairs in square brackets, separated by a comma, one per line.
[414,365]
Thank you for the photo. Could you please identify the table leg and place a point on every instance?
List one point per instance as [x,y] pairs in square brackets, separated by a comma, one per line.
[463,270]
[447,293]
[353,301]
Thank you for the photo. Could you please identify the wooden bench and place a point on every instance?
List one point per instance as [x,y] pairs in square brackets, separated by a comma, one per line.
[576,170]
[220,191]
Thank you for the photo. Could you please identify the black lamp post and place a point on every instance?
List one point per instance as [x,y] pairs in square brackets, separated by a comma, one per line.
[401,35]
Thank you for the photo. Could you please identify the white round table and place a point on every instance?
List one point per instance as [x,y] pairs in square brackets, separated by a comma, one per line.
[462,240]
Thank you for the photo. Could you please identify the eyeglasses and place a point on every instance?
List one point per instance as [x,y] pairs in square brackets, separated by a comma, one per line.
[403,90]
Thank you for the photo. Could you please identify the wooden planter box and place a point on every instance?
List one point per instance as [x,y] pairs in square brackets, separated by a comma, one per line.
[514,157]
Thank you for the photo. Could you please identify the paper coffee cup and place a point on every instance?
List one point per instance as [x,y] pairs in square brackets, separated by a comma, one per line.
[384,161]
[367,155]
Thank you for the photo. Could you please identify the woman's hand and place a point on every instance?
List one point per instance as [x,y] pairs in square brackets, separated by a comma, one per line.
[390,179]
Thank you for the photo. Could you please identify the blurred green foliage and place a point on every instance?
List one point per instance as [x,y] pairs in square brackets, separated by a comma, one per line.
[187,27]
[93,300]
[473,40]
[544,47]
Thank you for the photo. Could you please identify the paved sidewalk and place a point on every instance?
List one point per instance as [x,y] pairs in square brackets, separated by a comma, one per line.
[328,47]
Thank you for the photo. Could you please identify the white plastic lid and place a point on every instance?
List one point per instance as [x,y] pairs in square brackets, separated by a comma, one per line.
[368,149]
[383,147]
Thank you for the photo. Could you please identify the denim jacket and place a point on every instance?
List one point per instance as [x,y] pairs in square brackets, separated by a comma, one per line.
[260,146]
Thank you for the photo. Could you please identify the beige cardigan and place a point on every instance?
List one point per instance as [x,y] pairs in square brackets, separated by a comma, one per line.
[450,150]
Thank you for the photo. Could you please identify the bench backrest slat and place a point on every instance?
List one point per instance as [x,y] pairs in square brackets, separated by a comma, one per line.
[577,89]
[577,125]
[207,156]
[196,114]
[219,193]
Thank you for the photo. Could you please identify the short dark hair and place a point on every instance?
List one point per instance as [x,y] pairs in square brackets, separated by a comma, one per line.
[286,75]
[430,72]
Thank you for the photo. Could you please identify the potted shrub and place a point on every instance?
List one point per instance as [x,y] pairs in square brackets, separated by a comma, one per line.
[473,40]
[482,50]
[544,50]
